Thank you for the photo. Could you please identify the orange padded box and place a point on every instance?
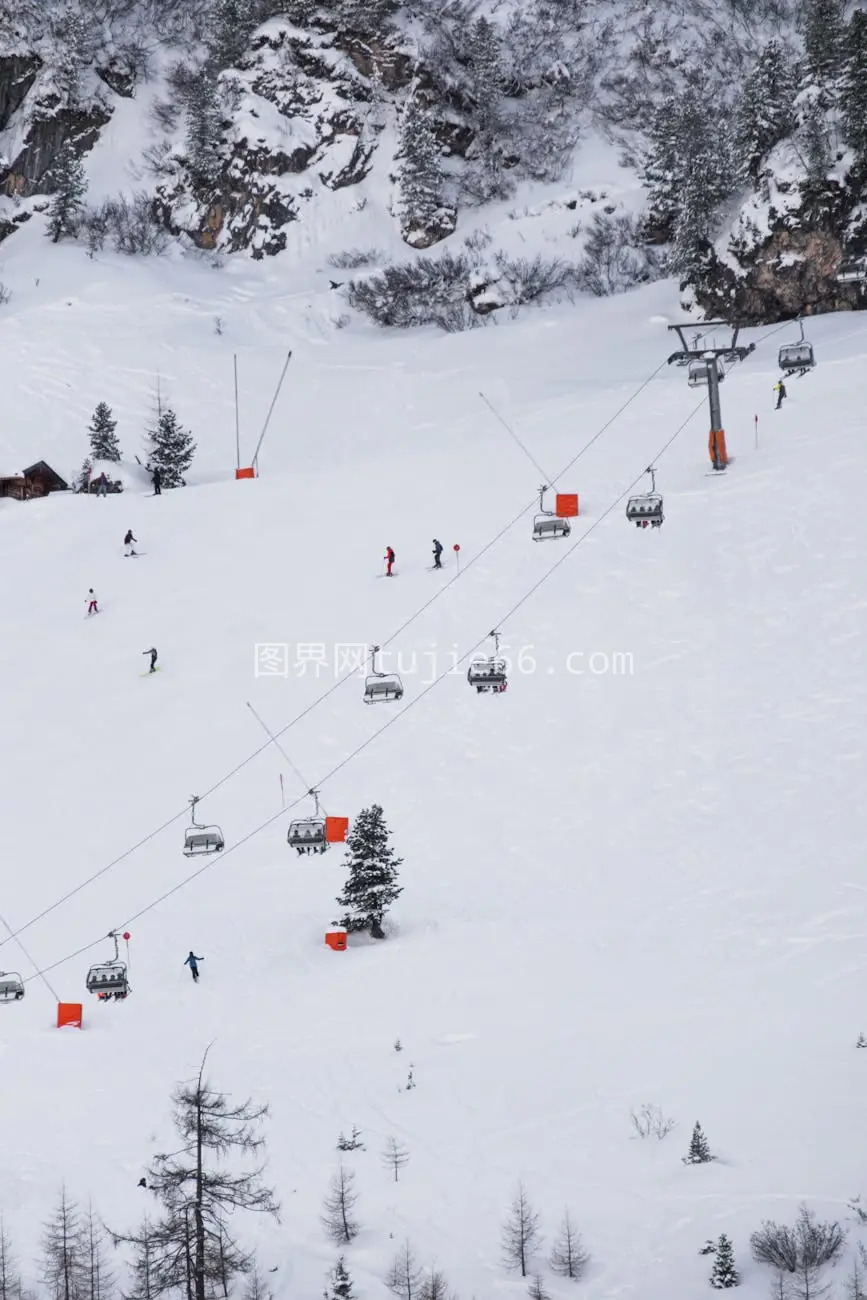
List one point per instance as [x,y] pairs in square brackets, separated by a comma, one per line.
[567,505]
[69,1013]
[335,829]
[245,473]
[336,938]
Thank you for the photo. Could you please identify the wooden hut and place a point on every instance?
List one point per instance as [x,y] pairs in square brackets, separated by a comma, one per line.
[40,479]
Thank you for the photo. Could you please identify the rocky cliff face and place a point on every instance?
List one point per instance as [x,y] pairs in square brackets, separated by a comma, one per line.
[308,104]
[792,251]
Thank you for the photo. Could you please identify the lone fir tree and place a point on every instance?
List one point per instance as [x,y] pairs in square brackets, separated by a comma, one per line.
[699,1152]
[69,186]
[724,1274]
[103,439]
[172,449]
[420,177]
[341,1287]
[371,886]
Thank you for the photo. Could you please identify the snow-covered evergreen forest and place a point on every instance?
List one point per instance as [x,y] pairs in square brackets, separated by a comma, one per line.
[730,141]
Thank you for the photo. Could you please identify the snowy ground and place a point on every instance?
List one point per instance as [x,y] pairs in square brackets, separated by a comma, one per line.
[619,886]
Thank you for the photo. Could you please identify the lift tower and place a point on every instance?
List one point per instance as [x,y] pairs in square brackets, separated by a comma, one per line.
[706,367]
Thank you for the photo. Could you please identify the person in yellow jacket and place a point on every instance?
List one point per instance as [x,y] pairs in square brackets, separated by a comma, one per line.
[780,390]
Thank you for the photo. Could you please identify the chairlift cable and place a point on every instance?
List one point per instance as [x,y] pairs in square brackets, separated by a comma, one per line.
[496,414]
[392,719]
[275,741]
[38,973]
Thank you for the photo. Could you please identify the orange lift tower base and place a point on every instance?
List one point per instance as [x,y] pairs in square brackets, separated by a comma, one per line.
[706,353]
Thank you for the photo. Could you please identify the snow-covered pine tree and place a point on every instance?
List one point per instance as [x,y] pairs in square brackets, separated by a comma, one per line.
[853,95]
[822,23]
[485,68]
[706,174]
[171,449]
[232,23]
[341,1287]
[68,186]
[204,126]
[724,1274]
[661,169]
[82,482]
[103,439]
[420,176]
[699,1150]
[814,142]
[72,44]
[766,109]
[371,886]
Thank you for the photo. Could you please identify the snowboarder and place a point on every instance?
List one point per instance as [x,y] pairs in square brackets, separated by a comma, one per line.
[437,552]
[91,601]
[128,543]
[157,478]
[102,485]
[780,390]
[389,559]
[153,654]
[193,963]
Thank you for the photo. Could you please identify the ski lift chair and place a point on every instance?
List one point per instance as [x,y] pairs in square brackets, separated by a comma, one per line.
[547,524]
[308,834]
[107,979]
[198,839]
[852,270]
[697,376]
[381,686]
[489,674]
[11,986]
[646,508]
[797,357]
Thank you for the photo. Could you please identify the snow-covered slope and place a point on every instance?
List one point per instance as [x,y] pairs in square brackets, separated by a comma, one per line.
[639,882]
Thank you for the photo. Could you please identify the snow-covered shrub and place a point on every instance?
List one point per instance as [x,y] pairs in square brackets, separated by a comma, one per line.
[457,290]
[423,292]
[349,259]
[530,278]
[649,1121]
[129,223]
[808,1246]
[615,257]
[5,294]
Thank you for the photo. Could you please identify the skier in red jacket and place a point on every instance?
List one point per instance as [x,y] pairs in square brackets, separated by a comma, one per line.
[389,559]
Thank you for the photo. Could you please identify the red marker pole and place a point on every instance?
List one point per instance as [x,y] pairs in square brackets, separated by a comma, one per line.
[457,550]
[126,937]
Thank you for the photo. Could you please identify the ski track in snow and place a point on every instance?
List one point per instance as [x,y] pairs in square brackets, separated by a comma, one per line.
[618,888]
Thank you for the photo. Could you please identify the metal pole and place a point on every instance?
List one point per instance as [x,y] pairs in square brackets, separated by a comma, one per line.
[270,412]
[756,423]
[715,410]
[237,423]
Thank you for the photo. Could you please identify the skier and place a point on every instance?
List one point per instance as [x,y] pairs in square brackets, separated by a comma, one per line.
[437,552]
[153,654]
[157,478]
[193,963]
[389,558]
[128,542]
[91,601]
[102,485]
[780,390]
